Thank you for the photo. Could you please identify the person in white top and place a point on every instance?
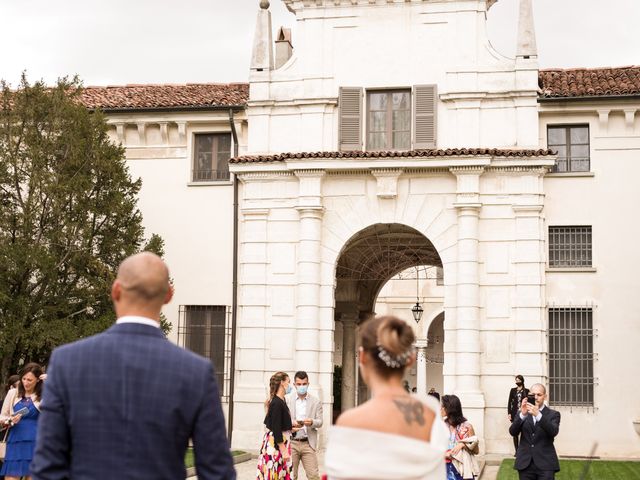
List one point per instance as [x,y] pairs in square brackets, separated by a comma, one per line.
[394,435]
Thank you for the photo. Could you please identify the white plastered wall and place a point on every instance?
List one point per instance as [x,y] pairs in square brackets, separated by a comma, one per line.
[605,198]
[486,99]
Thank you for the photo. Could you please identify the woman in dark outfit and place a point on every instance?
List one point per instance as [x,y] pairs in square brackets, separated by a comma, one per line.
[516,395]
[275,454]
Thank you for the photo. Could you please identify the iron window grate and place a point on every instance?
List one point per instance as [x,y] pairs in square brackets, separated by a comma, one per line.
[570,246]
[571,356]
[206,330]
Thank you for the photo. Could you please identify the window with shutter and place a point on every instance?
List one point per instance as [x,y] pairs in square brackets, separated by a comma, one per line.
[389,120]
[350,104]
[424,116]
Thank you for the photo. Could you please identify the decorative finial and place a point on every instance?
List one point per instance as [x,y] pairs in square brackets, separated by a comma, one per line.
[264,4]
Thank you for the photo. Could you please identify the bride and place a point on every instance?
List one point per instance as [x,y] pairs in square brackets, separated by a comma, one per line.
[394,435]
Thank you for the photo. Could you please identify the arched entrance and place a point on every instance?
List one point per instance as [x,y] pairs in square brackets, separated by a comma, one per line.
[369,260]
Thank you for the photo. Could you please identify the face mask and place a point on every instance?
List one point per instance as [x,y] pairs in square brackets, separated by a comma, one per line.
[288,389]
[518,383]
[302,389]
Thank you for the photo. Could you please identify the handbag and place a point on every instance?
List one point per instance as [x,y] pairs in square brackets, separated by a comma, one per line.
[3,444]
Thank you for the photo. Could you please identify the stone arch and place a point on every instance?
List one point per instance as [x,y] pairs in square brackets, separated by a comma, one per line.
[434,315]
[368,259]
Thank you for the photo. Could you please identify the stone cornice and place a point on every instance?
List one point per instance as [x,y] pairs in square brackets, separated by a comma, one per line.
[297,5]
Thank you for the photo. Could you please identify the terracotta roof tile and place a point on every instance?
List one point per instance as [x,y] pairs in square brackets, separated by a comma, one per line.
[451,152]
[165,96]
[589,82]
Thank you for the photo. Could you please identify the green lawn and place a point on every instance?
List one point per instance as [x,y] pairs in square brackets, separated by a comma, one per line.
[572,470]
[189,460]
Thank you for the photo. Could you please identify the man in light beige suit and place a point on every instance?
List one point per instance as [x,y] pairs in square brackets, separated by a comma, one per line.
[306,417]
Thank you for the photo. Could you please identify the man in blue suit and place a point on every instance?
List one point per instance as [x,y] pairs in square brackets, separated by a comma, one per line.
[123,404]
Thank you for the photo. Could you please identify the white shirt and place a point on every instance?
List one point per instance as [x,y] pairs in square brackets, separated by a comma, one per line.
[537,418]
[301,414]
[140,320]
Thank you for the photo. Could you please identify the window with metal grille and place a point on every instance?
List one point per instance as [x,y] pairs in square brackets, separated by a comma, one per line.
[571,356]
[206,330]
[572,144]
[389,120]
[212,152]
[570,246]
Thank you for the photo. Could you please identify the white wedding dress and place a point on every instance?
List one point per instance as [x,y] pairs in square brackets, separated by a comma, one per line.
[357,454]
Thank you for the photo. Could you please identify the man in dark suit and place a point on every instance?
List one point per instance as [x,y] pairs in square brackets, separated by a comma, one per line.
[123,404]
[537,425]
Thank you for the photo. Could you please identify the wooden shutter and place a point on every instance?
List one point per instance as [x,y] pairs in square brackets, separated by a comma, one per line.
[424,116]
[350,129]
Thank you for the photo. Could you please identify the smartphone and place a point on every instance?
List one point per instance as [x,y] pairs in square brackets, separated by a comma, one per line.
[531,399]
[22,411]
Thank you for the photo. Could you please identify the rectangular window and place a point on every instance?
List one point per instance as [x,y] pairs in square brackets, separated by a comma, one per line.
[205,330]
[389,120]
[572,144]
[212,152]
[570,247]
[571,356]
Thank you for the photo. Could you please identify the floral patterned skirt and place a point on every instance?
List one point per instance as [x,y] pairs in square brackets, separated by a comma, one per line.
[271,464]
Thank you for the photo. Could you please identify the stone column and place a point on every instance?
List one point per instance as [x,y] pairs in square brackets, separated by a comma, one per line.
[468,289]
[348,360]
[308,291]
[252,367]
[421,366]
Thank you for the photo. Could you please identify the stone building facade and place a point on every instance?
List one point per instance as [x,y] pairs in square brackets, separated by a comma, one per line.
[393,136]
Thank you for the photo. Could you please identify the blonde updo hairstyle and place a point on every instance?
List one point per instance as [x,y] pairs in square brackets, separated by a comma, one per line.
[391,336]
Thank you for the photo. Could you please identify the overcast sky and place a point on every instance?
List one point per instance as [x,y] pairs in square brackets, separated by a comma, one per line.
[113,42]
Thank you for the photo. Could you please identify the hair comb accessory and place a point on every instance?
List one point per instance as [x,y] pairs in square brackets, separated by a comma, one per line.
[394,361]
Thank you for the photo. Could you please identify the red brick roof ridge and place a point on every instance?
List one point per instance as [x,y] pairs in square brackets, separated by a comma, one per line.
[150,96]
[496,152]
[589,82]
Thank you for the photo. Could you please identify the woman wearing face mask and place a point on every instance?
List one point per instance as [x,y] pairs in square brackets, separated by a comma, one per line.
[394,435]
[516,394]
[21,439]
[275,453]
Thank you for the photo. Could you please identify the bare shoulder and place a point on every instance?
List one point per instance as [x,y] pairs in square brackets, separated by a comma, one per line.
[351,418]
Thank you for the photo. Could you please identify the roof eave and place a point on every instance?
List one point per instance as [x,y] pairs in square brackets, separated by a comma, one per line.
[589,98]
[195,108]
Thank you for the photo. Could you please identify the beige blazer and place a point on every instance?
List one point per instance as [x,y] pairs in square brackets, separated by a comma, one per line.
[9,402]
[314,411]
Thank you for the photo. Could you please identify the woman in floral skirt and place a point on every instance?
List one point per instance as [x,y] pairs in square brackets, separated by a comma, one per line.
[275,453]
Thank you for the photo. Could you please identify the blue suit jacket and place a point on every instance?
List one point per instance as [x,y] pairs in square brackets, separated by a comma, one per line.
[123,405]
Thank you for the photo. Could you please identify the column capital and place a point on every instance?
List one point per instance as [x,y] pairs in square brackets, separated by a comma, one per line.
[467,170]
[468,207]
[310,211]
[349,319]
[421,343]
[318,173]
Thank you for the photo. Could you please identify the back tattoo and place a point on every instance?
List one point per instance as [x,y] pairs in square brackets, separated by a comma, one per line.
[412,410]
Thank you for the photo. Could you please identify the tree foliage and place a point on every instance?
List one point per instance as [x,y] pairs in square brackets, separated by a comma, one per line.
[68,217]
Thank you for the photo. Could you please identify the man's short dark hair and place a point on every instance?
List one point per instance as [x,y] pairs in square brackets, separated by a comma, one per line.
[301,374]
